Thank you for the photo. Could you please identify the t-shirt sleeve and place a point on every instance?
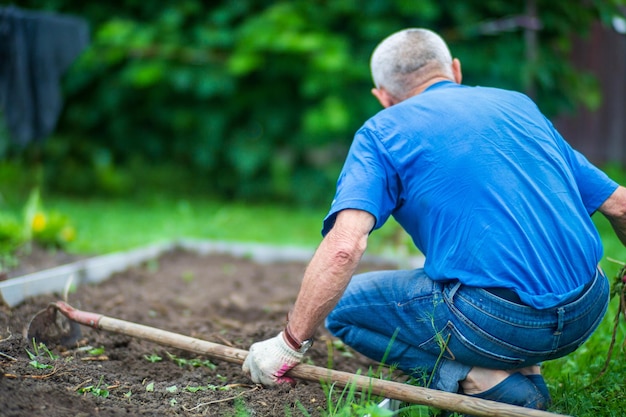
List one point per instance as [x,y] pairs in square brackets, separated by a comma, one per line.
[593,184]
[367,181]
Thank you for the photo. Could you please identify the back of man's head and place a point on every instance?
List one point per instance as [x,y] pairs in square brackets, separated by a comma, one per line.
[405,59]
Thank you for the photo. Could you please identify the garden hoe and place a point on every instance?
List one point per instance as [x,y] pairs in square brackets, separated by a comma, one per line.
[50,327]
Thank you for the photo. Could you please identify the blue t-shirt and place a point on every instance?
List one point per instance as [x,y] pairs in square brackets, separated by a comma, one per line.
[486,187]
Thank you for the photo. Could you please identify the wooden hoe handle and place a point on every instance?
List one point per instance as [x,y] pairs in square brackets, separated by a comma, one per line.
[390,389]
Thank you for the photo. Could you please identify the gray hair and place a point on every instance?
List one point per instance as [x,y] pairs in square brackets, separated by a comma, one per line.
[404,59]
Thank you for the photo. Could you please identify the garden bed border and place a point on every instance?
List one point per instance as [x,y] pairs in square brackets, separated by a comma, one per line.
[96,269]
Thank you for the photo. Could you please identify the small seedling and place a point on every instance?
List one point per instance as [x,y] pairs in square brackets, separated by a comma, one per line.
[341,347]
[97,391]
[38,350]
[188,276]
[240,408]
[195,363]
[209,387]
[173,389]
[194,389]
[150,387]
[96,351]
[153,358]
[38,365]
[218,387]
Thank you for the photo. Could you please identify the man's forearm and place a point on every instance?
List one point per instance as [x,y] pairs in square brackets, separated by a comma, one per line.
[614,208]
[329,272]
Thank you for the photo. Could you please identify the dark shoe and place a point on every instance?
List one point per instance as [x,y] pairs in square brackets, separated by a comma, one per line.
[515,390]
[541,386]
[518,390]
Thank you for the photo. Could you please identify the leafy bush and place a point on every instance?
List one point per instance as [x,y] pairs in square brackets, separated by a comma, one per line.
[258,100]
[10,233]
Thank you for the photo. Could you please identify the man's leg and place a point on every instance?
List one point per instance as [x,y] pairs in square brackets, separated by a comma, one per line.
[393,315]
[377,304]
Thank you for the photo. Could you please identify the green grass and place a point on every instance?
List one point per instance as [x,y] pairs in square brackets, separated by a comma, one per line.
[105,225]
[574,381]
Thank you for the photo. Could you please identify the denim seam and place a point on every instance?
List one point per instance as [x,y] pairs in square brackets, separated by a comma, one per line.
[481,333]
[485,353]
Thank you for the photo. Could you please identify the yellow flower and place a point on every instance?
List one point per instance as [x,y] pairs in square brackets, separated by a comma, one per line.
[39,222]
[68,234]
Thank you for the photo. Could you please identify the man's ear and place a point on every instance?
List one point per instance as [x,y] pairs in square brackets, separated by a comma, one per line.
[384,98]
[456,70]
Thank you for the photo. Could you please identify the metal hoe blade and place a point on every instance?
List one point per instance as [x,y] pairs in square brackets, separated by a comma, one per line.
[50,327]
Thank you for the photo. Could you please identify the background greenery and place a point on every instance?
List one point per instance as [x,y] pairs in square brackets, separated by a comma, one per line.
[258,100]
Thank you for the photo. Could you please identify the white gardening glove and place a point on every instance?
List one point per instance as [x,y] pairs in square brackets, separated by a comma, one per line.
[268,361]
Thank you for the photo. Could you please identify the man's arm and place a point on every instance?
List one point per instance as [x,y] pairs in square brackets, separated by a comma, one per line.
[614,208]
[330,271]
[325,280]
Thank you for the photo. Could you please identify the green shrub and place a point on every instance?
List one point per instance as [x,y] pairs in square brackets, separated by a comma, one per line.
[11,234]
[259,100]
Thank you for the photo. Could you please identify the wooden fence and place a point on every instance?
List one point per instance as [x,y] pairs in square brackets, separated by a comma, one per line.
[600,135]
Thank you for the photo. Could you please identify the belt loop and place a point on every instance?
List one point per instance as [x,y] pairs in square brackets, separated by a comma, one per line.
[454,289]
[560,312]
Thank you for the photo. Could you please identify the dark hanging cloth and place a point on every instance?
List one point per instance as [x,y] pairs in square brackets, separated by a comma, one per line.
[36,48]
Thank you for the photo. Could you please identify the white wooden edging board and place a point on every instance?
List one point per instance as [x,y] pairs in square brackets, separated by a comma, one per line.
[257,252]
[265,254]
[93,270]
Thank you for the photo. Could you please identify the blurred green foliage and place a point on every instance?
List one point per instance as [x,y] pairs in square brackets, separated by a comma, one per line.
[258,100]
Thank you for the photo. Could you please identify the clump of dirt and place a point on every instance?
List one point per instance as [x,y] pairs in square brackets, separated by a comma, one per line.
[219,298]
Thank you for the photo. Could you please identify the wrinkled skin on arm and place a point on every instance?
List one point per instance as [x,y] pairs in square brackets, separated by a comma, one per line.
[614,208]
[324,282]
[330,271]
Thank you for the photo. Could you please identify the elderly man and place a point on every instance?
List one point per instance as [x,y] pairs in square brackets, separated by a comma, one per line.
[500,206]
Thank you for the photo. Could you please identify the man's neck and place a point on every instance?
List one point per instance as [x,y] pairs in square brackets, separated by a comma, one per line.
[427,83]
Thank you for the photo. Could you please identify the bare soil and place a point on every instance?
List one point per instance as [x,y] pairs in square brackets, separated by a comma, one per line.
[219,298]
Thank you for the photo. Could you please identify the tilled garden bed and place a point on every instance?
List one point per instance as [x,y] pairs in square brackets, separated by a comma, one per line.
[232,301]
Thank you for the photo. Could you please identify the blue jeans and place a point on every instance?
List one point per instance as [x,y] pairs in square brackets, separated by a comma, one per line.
[443,329]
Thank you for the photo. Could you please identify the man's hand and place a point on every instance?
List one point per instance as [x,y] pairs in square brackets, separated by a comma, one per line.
[269,361]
